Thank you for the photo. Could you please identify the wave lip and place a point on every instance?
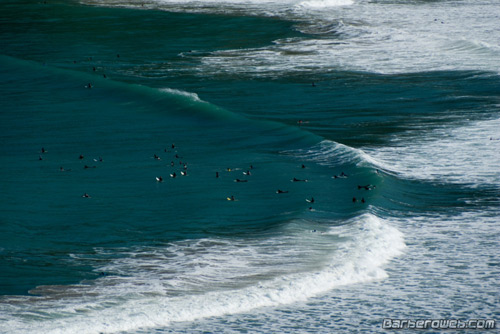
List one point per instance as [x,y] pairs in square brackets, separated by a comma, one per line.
[333,154]
[319,4]
[178,92]
[139,298]
[463,155]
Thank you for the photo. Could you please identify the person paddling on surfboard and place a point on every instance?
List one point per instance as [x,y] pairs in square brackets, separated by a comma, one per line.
[298,180]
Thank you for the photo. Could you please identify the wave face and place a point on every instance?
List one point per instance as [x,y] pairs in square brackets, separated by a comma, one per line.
[247,166]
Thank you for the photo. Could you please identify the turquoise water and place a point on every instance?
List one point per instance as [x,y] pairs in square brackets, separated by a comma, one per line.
[396,142]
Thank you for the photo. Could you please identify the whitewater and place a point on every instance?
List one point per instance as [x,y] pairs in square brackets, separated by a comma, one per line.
[324,165]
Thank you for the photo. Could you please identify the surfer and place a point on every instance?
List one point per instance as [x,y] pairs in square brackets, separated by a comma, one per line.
[217,174]
[86,195]
[298,180]
[303,166]
[310,200]
[279,191]
[367,187]
[159,179]
[247,173]
[43,150]
[156,157]
[362,200]
[89,86]
[354,200]
[86,167]
[238,180]
[184,173]
[173,175]
[80,157]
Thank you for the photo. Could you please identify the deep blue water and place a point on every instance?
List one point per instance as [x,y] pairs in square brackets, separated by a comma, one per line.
[275,104]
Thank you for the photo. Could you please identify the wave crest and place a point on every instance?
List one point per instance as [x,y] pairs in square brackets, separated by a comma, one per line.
[215,277]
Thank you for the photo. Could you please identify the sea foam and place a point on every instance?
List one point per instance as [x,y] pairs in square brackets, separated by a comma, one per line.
[185,281]
[465,155]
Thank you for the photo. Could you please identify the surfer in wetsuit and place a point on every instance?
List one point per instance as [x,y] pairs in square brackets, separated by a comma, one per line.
[279,191]
[367,187]
[298,180]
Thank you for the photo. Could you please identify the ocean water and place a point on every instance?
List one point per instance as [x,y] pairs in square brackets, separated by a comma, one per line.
[386,113]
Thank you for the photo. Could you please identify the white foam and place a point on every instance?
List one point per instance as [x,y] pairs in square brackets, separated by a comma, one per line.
[333,154]
[465,155]
[383,37]
[178,92]
[212,277]
[318,4]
